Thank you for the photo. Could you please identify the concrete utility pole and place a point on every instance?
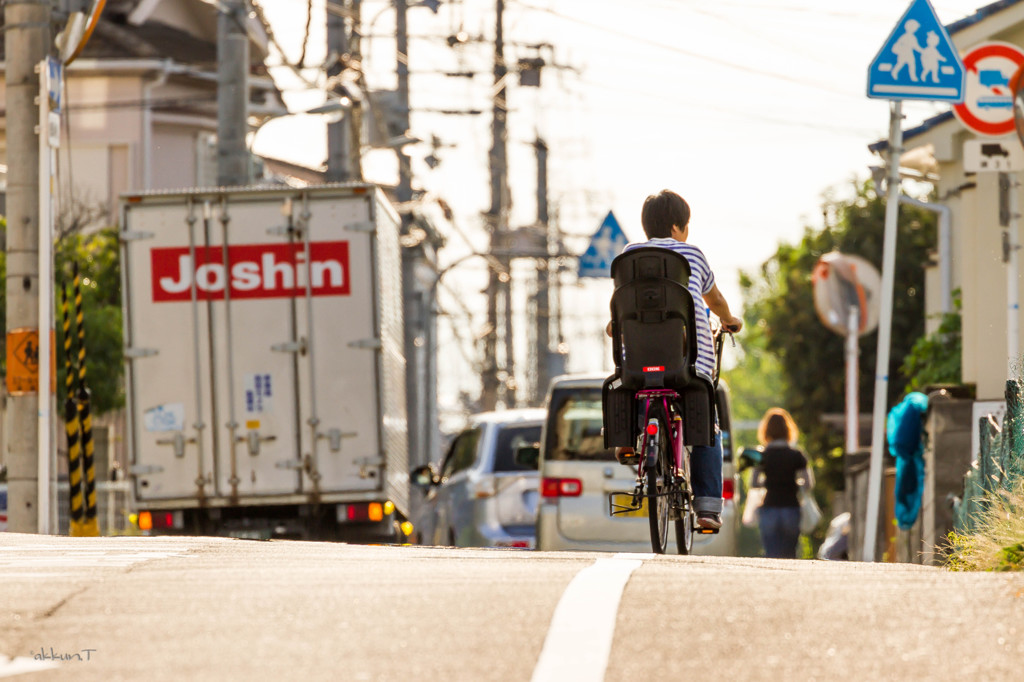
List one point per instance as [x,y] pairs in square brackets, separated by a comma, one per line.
[28,40]
[543,279]
[233,163]
[496,220]
[343,154]
[402,68]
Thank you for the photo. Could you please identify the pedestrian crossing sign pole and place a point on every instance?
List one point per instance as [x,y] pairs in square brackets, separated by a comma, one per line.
[917,61]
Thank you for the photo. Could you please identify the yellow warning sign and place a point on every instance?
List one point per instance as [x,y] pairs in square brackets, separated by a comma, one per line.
[23,361]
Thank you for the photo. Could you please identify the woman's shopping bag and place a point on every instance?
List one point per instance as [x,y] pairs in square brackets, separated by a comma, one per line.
[810,513]
[755,498]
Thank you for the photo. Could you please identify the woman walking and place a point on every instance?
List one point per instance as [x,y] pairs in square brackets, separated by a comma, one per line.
[783,470]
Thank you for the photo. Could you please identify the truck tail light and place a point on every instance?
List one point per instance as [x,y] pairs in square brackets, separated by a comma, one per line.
[161,520]
[561,487]
[728,489]
[362,511]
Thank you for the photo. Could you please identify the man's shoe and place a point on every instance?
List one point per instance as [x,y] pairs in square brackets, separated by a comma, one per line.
[626,456]
[709,520]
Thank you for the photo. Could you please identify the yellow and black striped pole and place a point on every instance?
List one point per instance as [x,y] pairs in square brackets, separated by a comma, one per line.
[92,528]
[71,427]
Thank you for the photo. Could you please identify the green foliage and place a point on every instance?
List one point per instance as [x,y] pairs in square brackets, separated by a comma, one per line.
[779,304]
[97,258]
[935,358]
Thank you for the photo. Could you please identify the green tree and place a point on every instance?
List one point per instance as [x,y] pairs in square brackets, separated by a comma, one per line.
[936,358]
[97,257]
[779,304]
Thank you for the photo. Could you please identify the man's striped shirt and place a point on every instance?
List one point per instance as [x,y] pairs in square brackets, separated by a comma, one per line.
[702,280]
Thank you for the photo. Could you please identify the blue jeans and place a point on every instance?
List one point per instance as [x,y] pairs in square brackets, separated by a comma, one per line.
[780,531]
[706,475]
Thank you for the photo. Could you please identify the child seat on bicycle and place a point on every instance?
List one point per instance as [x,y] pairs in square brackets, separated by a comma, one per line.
[654,342]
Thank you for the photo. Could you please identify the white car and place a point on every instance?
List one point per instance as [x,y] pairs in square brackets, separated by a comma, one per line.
[486,491]
[578,473]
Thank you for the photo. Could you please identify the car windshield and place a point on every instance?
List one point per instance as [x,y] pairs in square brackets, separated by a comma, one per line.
[510,440]
[574,427]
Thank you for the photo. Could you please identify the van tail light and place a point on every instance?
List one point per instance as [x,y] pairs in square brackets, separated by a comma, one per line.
[561,487]
[485,487]
[728,489]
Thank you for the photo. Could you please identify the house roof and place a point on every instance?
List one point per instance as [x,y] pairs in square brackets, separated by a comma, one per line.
[979,15]
[117,36]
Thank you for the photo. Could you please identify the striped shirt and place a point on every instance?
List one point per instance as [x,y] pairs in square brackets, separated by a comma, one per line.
[702,280]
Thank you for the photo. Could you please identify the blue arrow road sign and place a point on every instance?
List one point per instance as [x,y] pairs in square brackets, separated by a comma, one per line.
[918,60]
[606,243]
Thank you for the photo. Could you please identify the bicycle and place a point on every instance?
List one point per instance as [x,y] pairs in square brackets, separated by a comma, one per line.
[663,466]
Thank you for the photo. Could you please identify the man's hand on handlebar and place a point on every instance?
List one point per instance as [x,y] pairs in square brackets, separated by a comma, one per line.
[732,325]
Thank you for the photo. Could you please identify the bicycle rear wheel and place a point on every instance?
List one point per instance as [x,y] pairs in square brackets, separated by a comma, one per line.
[659,474]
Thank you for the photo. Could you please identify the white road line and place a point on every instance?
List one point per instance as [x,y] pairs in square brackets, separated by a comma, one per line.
[580,635]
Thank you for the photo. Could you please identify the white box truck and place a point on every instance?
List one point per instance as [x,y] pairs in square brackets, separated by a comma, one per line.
[265,373]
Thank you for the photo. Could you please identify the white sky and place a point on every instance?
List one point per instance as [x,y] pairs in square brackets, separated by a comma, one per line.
[749,109]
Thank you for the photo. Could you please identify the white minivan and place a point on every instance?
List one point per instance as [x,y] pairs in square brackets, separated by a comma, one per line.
[577,474]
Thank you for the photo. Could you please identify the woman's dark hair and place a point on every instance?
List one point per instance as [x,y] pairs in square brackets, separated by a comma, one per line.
[663,210]
[777,424]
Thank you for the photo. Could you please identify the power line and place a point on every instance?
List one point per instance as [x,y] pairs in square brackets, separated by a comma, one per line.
[688,53]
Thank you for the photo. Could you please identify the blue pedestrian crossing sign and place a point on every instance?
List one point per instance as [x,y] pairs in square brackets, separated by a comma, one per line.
[918,60]
[606,243]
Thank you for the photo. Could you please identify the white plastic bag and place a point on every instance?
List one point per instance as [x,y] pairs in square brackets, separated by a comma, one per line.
[810,513]
[755,498]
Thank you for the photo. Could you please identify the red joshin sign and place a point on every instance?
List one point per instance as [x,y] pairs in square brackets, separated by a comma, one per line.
[254,271]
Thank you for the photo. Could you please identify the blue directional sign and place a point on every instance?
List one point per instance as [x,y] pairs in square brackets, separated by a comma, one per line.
[606,243]
[918,60]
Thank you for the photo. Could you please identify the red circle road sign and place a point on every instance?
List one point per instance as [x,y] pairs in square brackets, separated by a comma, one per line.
[987,108]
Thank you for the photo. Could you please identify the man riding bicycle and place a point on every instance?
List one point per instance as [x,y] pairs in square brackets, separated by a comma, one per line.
[666,222]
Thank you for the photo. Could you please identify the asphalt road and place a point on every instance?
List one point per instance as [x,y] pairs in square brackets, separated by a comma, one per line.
[218,609]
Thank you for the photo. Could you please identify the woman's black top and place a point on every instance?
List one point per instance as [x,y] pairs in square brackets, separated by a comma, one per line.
[780,463]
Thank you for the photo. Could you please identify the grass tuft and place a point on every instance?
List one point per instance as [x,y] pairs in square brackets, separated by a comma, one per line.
[998,543]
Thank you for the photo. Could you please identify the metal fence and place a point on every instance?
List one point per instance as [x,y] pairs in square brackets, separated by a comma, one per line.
[1000,464]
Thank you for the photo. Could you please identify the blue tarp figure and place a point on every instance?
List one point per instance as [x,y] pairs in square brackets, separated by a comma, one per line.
[905,431]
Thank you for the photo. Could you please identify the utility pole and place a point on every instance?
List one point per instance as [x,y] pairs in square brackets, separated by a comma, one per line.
[233,163]
[543,278]
[496,219]
[28,42]
[402,68]
[343,44]
[417,307]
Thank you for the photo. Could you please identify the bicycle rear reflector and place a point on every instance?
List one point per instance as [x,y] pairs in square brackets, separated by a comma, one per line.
[652,429]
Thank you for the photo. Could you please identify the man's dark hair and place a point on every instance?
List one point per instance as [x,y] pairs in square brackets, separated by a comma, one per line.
[663,210]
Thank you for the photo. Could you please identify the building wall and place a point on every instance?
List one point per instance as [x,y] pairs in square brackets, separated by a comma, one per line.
[104,147]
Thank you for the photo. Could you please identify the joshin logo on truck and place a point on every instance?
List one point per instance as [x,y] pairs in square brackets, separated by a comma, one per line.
[254,271]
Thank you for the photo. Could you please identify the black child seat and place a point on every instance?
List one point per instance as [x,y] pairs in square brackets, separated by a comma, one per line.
[654,345]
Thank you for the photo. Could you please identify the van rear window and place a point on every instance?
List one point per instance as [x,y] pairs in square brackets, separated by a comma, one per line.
[511,439]
[574,426]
